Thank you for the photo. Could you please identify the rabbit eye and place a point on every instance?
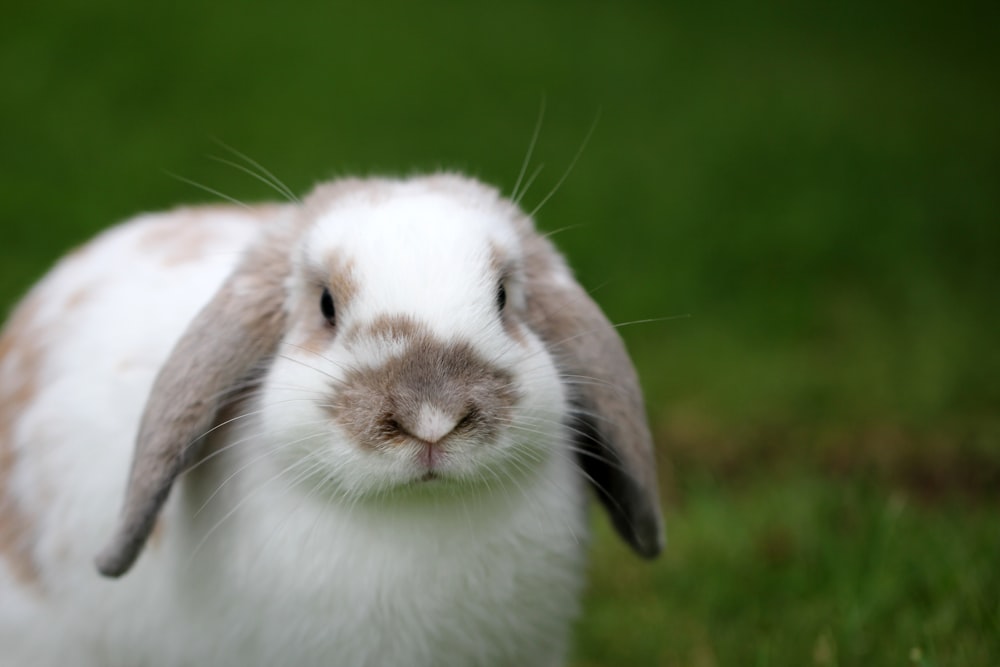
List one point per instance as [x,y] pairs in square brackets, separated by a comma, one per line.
[326,306]
[501,297]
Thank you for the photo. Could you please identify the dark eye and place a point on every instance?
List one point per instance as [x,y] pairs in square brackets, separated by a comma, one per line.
[326,305]
[501,297]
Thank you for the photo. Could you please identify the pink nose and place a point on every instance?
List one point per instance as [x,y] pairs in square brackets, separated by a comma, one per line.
[429,424]
[432,424]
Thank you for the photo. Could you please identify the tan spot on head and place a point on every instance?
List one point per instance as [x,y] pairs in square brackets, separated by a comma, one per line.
[337,275]
[342,279]
[506,272]
[20,367]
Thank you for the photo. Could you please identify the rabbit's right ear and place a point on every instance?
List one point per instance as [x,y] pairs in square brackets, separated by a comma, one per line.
[608,416]
[231,336]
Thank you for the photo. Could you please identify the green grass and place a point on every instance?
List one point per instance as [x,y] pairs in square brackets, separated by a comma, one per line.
[793,569]
[812,189]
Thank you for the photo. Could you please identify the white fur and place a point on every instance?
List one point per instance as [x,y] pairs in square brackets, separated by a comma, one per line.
[294,546]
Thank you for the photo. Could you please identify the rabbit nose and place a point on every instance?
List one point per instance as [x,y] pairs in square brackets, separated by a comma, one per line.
[429,424]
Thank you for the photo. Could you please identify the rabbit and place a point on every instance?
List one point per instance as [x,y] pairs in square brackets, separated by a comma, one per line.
[359,429]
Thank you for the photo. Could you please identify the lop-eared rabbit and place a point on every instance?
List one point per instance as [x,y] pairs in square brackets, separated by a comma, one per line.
[356,430]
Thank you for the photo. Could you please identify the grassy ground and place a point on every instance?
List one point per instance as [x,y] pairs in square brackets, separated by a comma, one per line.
[796,569]
[813,188]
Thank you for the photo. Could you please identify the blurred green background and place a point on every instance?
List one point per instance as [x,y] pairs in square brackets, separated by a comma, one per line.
[808,193]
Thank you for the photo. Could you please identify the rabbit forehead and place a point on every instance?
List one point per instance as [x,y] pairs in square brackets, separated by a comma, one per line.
[423,253]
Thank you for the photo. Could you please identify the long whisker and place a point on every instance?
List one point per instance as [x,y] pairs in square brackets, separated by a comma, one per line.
[310,468]
[209,190]
[240,441]
[582,451]
[310,367]
[527,158]
[251,462]
[560,230]
[569,169]
[208,534]
[531,179]
[316,354]
[270,179]
[252,173]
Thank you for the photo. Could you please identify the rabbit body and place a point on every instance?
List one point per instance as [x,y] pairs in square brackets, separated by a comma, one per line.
[287,542]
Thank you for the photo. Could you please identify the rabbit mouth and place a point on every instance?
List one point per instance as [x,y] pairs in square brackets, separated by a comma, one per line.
[430,463]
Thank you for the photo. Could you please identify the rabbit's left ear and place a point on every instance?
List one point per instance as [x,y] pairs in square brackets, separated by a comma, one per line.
[608,419]
[222,349]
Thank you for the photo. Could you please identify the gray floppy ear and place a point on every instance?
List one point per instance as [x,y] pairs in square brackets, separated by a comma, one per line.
[223,345]
[608,419]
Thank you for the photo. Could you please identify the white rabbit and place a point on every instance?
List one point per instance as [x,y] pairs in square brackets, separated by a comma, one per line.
[387,402]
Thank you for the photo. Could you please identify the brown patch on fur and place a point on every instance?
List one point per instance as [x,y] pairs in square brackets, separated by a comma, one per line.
[177,244]
[20,366]
[339,277]
[342,281]
[79,297]
[192,239]
[381,406]
[503,269]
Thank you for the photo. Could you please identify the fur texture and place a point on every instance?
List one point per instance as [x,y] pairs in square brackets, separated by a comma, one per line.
[389,402]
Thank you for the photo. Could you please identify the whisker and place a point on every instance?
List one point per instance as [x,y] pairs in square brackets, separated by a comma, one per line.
[531,179]
[209,190]
[310,468]
[313,492]
[211,531]
[569,169]
[560,230]
[274,181]
[243,416]
[530,426]
[531,148]
[253,461]
[653,320]
[252,173]
[312,368]
[318,355]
